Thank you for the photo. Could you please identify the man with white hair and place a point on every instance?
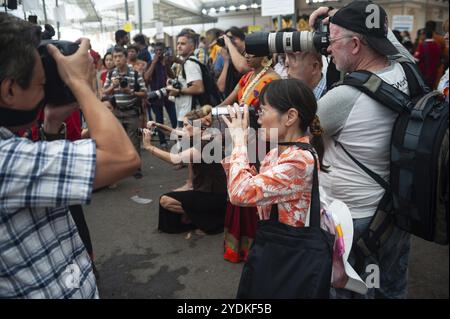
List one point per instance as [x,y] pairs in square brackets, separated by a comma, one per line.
[363,127]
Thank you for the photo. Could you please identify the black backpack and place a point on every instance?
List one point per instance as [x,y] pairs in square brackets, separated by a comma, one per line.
[212,95]
[416,197]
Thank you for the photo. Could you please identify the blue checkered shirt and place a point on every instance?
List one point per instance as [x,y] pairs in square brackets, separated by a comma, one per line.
[321,88]
[41,253]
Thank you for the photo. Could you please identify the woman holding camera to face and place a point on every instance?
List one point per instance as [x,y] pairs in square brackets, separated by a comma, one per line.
[203,207]
[240,222]
[286,173]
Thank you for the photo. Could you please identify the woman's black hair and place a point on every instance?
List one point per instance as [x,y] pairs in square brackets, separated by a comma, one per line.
[283,95]
[236,32]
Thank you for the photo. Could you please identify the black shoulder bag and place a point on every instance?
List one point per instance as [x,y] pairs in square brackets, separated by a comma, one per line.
[287,262]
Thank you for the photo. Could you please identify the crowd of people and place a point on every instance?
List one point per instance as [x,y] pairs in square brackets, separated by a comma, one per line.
[53,157]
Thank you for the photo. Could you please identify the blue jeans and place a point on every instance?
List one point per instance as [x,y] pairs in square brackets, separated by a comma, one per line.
[157,107]
[392,260]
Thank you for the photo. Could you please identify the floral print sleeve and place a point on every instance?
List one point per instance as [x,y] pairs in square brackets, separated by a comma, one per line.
[286,179]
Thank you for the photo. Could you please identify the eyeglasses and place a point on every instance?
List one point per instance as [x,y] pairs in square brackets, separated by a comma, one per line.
[332,41]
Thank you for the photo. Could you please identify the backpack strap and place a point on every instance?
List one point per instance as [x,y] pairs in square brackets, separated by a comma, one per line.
[382,92]
[377,178]
[314,219]
[137,86]
[416,84]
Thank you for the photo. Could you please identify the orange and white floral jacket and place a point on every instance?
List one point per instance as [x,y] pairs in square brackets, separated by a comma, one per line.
[285,180]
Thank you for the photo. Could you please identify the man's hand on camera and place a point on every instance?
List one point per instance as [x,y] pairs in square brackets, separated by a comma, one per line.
[77,68]
[320,12]
[55,116]
[173,90]
[151,125]
[227,41]
[115,82]
[127,90]
[147,139]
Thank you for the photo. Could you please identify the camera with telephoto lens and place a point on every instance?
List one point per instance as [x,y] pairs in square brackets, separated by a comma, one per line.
[158,94]
[56,91]
[163,92]
[265,43]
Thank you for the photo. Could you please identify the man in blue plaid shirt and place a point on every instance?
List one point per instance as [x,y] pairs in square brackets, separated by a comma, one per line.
[41,253]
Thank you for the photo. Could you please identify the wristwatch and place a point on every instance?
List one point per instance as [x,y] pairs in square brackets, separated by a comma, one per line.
[61,135]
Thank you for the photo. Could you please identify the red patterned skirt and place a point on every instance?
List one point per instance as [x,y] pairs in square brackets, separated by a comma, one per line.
[240,228]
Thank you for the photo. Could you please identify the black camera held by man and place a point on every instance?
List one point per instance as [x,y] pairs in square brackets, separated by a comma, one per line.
[265,43]
[56,91]
[220,42]
[163,92]
[123,82]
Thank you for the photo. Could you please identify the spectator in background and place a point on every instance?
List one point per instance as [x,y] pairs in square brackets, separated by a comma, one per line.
[127,86]
[156,77]
[420,36]
[428,55]
[211,41]
[140,41]
[443,83]
[235,64]
[108,64]
[307,66]
[398,35]
[406,41]
[201,52]
[133,60]
[122,40]
[189,75]
[444,49]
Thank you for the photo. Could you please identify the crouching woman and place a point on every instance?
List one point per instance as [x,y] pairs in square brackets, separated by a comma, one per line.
[203,207]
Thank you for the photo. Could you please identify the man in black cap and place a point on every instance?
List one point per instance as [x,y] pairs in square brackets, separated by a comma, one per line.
[356,122]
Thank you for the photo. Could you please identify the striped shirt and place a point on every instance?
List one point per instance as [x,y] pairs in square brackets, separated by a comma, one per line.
[124,100]
[321,88]
[41,253]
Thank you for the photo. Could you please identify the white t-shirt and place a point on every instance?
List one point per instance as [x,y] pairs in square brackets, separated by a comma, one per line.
[364,127]
[183,103]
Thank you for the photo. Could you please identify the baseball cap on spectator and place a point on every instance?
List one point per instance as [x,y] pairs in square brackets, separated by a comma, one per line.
[368,19]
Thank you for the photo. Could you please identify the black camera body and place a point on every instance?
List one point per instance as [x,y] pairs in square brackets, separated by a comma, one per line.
[264,43]
[123,82]
[56,91]
[220,42]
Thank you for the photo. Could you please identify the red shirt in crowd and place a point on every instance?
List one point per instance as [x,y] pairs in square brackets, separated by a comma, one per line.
[428,54]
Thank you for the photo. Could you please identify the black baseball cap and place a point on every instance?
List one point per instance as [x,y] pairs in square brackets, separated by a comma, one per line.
[370,20]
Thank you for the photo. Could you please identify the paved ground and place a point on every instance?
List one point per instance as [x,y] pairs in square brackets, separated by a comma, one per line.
[136,261]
